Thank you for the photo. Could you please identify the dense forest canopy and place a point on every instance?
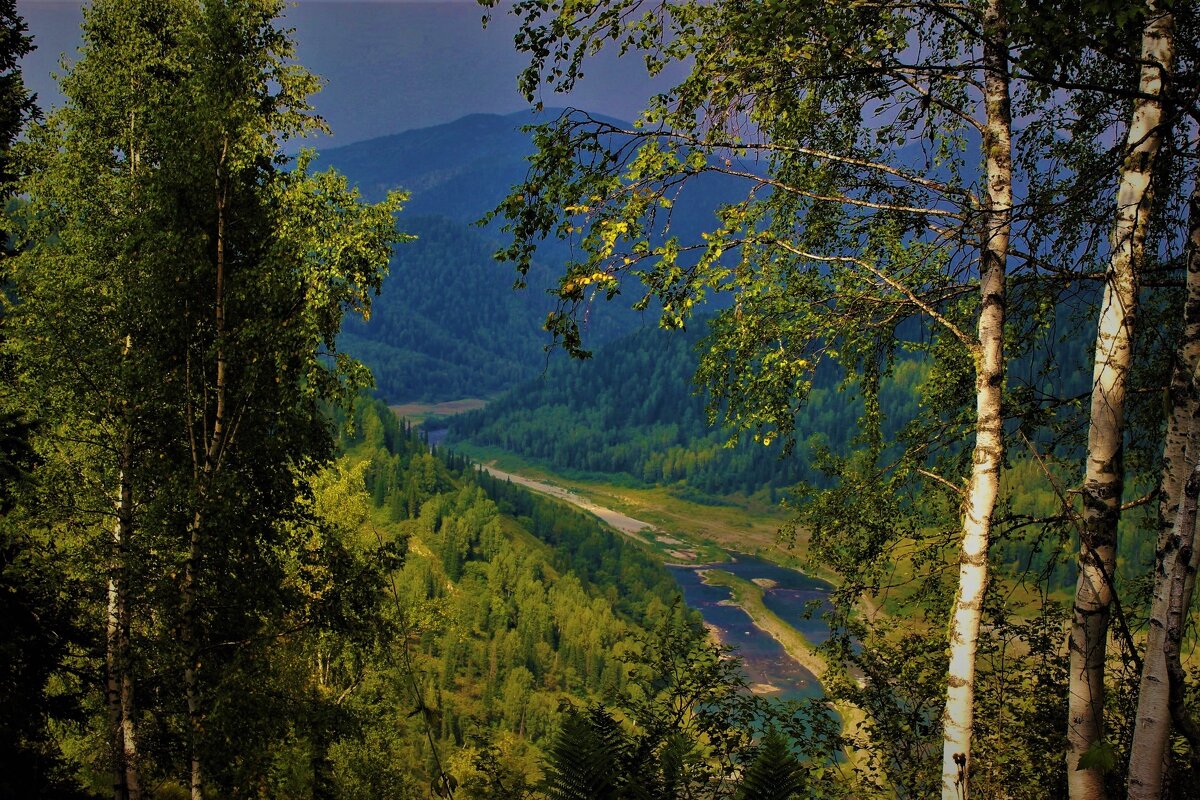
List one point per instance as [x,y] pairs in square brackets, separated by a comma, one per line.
[934,268]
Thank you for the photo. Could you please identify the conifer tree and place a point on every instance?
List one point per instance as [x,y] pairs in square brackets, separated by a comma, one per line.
[587,759]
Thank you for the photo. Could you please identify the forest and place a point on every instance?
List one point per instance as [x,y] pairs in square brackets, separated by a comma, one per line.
[632,415]
[927,272]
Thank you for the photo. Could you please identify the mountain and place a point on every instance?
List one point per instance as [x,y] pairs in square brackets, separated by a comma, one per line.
[458,170]
[448,324]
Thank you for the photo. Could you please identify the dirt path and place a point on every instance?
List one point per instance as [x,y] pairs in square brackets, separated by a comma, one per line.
[625,524]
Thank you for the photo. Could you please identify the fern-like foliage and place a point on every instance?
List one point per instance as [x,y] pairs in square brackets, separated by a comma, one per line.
[587,759]
[774,774]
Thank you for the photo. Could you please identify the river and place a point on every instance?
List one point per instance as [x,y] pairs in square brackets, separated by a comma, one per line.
[788,593]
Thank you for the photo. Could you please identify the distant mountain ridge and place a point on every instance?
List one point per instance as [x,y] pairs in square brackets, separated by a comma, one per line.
[457,170]
[448,324]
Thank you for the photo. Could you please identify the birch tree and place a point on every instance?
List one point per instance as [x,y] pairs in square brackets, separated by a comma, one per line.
[1104,478]
[82,318]
[840,233]
[1161,699]
[180,301]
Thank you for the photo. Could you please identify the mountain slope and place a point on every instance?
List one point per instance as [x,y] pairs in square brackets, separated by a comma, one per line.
[448,324]
[633,411]
[458,170]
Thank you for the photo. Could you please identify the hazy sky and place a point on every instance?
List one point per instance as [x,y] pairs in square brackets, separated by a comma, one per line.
[389,66]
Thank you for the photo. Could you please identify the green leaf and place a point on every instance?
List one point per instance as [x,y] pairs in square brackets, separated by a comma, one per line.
[1101,755]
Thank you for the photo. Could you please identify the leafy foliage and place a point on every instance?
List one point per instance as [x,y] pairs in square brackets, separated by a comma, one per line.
[176,305]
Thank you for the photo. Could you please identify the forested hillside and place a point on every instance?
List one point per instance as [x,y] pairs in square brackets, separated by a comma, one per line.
[505,606]
[633,412]
[448,324]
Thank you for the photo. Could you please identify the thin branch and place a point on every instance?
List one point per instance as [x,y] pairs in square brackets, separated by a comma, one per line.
[695,141]
[958,490]
[830,198]
[1141,501]
[933,313]
[928,97]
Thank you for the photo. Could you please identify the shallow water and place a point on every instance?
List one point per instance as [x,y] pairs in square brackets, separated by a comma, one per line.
[765,660]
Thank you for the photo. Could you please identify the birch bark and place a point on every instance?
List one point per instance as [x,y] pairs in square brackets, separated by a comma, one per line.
[1104,480]
[1175,556]
[119,683]
[958,717]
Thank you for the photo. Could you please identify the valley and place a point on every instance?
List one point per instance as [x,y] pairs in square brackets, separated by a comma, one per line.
[685,530]
[457,462]
[768,614]
[772,628]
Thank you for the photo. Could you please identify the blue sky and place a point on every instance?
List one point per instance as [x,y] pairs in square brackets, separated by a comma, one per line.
[388,66]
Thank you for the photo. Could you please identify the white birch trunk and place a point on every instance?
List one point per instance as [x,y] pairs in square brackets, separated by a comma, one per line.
[1153,726]
[113,691]
[1175,557]
[958,717]
[1104,479]
[118,680]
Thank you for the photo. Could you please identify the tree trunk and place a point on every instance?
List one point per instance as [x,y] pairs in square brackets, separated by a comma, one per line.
[959,714]
[188,635]
[113,686]
[119,681]
[214,446]
[1175,557]
[1104,479]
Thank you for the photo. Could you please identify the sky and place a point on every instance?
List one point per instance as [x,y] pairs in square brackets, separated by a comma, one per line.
[388,66]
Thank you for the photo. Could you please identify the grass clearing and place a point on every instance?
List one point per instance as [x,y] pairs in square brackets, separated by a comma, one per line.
[742,525]
[419,412]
